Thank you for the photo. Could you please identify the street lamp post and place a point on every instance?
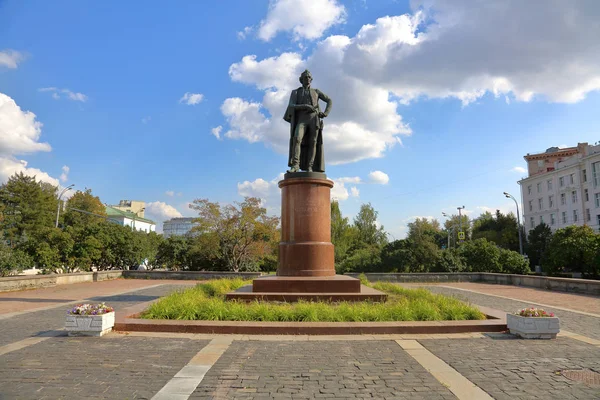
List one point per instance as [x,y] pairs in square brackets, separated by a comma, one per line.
[508,196]
[460,218]
[59,197]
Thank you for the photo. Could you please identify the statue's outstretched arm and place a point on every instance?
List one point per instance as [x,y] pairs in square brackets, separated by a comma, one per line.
[326,99]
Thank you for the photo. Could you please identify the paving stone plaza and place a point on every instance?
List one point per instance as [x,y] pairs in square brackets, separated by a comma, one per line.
[38,360]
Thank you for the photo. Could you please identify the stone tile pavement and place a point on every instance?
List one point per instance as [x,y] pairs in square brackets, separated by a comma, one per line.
[35,323]
[114,367]
[582,324]
[121,366]
[510,368]
[313,370]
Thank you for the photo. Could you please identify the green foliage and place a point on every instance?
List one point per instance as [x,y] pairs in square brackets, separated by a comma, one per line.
[537,243]
[368,234]
[206,302]
[28,206]
[449,261]
[498,228]
[13,260]
[480,256]
[363,259]
[240,235]
[513,262]
[397,256]
[83,201]
[573,249]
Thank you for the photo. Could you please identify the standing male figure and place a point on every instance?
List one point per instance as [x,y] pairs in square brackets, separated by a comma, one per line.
[306,127]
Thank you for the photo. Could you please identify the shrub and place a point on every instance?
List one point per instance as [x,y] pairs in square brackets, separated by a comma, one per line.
[573,249]
[449,261]
[513,262]
[480,256]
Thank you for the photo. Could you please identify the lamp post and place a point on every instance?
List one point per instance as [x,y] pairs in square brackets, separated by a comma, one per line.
[508,196]
[460,218]
[59,197]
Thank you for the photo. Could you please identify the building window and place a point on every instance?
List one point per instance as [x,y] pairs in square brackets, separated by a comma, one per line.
[588,216]
[549,184]
[596,173]
[532,222]
[572,179]
[550,201]
[529,189]
[561,181]
[530,205]
[584,175]
[597,198]
[574,196]
[586,194]
[598,219]
[563,199]
[552,221]
[575,216]
[564,217]
[541,203]
[541,219]
[539,187]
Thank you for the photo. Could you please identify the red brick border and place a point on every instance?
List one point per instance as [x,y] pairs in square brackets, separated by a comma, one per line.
[128,320]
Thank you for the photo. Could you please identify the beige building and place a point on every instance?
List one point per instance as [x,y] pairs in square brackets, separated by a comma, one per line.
[563,187]
[132,206]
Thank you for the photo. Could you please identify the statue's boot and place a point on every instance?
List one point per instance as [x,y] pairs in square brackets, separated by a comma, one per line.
[312,151]
[295,167]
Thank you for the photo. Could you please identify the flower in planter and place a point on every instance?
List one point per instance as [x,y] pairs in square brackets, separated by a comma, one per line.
[533,312]
[90,309]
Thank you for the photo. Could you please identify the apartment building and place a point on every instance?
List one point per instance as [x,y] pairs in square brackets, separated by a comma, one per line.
[562,187]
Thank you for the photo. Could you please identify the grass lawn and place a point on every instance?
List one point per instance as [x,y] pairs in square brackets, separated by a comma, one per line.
[206,301]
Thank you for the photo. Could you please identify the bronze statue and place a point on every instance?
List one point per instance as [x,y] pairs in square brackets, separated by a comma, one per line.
[306,127]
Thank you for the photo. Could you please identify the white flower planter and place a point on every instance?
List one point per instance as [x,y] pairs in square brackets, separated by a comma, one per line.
[90,325]
[533,327]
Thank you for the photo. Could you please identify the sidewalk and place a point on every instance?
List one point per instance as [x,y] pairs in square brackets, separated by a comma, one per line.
[32,299]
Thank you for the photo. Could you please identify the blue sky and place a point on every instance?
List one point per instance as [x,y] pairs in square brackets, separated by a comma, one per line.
[434,102]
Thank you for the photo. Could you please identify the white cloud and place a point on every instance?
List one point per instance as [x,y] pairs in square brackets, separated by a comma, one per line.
[520,170]
[245,119]
[216,131]
[10,166]
[11,58]
[459,49]
[305,19]
[170,193]
[464,49]
[379,177]
[191,99]
[350,179]
[19,134]
[159,212]
[65,173]
[354,192]
[57,94]
[243,34]
[19,130]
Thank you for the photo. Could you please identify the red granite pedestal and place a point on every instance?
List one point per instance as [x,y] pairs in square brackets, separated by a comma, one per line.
[306,267]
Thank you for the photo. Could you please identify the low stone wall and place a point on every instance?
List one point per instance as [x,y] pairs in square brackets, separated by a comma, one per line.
[189,275]
[40,281]
[582,286]
[421,277]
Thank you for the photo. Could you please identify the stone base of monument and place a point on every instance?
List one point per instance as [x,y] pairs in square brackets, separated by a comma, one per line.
[294,288]
[306,268]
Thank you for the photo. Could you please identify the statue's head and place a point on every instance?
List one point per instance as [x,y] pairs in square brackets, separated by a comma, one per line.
[306,78]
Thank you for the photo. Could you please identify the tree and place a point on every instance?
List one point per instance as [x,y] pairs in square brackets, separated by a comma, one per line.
[342,233]
[84,201]
[498,228]
[572,249]
[173,253]
[480,255]
[454,224]
[513,262]
[239,234]
[538,241]
[368,233]
[29,206]
[13,260]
